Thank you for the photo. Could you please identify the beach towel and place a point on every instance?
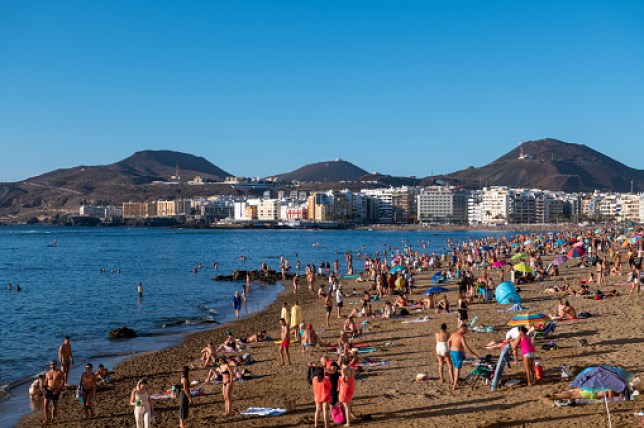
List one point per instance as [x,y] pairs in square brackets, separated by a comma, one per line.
[367,362]
[366,350]
[417,320]
[263,411]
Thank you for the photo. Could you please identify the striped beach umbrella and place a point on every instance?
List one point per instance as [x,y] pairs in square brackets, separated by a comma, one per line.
[528,319]
[576,253]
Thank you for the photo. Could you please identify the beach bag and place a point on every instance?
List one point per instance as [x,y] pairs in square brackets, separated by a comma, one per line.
[338,414]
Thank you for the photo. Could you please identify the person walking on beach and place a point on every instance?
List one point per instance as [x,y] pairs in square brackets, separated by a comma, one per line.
[53,385]
[236,304]
[142,403]
[87,387]
[284,356]
[295,278]
[227,379]
[184,399]
[442,354]
[457,348]
[65,357]
[339,298]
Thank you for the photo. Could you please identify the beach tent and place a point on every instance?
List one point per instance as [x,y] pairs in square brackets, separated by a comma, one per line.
[602,378]
[396,269]
[506,294]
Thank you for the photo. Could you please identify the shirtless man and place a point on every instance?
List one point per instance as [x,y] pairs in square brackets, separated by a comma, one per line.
[53,385]
[65,357]
[457,348]
[286,342]
[208,355]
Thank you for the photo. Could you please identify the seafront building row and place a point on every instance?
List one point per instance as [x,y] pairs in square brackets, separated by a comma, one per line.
[433,204]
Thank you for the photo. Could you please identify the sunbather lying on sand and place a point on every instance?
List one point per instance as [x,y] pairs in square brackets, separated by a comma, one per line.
[578,393]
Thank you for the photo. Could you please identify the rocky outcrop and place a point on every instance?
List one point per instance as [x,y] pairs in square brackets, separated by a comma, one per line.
[122,333]
[266,276]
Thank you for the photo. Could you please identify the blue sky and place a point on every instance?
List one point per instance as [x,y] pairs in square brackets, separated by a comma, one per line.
[263,87]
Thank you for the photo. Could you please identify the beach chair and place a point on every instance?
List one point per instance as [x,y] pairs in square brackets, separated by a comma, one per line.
[547,331]
[483,370]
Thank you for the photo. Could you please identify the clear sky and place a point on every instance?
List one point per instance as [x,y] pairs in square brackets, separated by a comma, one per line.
[263,87]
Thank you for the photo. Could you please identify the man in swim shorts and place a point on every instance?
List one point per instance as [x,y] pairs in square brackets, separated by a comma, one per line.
[53,385]
[65,357]
[286,342]
[457,348]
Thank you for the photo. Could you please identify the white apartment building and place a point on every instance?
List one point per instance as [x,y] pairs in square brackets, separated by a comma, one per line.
[475,207]
[442,204]
[496,205]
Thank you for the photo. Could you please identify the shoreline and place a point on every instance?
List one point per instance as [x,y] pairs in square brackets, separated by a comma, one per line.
[17,407]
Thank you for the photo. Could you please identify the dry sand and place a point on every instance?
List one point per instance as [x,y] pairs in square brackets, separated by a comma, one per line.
[389,394]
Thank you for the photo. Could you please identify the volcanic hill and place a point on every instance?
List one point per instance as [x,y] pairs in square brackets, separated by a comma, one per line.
[331,171]
[552,165]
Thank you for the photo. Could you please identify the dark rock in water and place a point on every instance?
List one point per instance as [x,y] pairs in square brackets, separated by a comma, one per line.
[267,276]
[122,333]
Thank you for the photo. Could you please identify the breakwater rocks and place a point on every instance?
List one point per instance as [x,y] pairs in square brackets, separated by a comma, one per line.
[267,276]
[122,333]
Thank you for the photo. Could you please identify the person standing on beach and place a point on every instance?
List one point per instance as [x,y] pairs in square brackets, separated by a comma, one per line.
[322,396]
[636,283]
[87,387]
[184,399]
[442,354]
[339,297]
[53,385]
[457,347]
[236,304]
[346,386]
[227,379]
[284,356]
[295,278]
[296,319]
[65,357]
[143,409]
[328,307]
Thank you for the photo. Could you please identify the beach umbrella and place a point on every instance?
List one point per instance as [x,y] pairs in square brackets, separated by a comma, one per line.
[621,237]
[436,290]
[576,253]
[578,244]
[487,248]
[529,319]
[635,239]
[500,263]
[396,269]
[506,294]
[559,260]
[438,278]
[560,242]
[598,231]
[518,256]
[514,245]
[528,242]
[522,267]
[601,378]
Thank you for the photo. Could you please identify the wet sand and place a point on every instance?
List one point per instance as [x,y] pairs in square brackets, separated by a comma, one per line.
[389,393]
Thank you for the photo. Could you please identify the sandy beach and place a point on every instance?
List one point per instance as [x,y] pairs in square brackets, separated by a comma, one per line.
[389,394]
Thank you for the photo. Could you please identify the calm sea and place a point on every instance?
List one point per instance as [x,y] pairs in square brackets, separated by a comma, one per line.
[65,294]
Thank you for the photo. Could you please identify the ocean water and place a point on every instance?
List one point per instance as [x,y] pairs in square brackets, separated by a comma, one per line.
[65,294]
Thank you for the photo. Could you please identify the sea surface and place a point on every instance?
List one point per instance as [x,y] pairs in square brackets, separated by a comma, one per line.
[64,293]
